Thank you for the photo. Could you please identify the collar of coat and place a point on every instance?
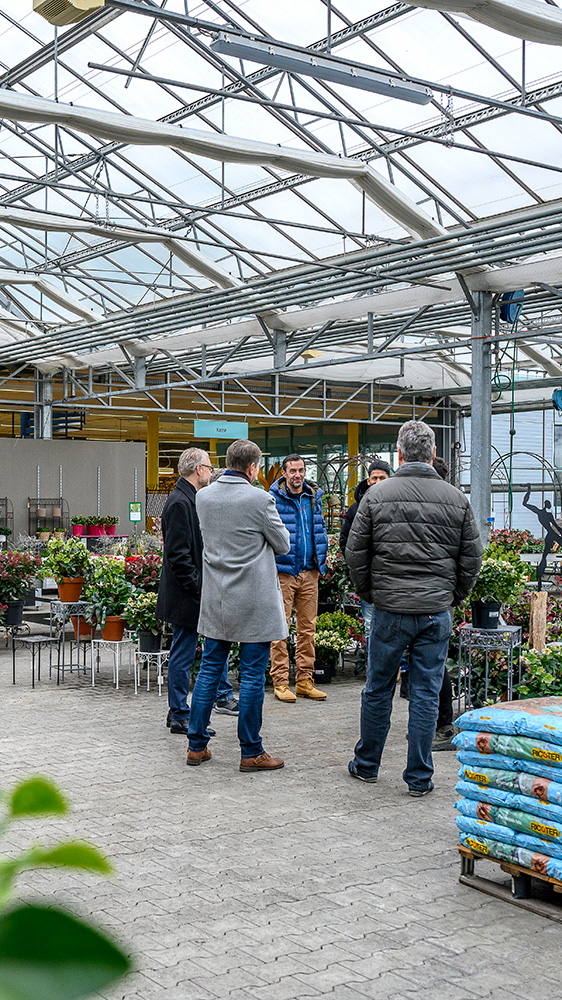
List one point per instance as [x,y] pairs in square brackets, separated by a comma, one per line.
[417,469]
[186,488]
[309,488]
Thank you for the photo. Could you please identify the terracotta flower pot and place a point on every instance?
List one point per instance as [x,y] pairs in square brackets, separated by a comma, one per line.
[70,589]
[44,536]
[78,529]
[113,629]
[86,630]
[110,529]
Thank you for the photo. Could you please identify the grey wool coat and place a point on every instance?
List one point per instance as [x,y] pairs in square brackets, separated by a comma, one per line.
[242,532]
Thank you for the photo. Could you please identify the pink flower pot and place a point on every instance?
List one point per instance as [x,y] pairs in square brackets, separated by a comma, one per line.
[78,529]
[95,530]
[110,529]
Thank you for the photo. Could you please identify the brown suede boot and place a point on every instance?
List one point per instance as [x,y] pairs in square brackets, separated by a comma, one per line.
[261,763]
[306,689]
[196,757]
[284,693]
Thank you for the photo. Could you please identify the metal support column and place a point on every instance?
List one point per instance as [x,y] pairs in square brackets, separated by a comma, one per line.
[43,415]
[152,451]
[481,414]
[352,451]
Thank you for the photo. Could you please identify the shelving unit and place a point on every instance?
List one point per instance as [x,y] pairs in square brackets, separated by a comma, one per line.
[49,519]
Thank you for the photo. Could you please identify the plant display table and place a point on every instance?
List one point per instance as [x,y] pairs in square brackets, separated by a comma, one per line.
[158,660]
[117,649]
[506,639]
[34,643]
[62,611]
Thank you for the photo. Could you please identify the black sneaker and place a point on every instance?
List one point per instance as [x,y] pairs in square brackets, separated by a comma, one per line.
[443,739]
[425,791]
[180,728]
[227,707]
[369,778]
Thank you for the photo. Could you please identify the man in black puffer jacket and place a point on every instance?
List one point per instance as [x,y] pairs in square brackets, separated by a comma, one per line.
[413,551]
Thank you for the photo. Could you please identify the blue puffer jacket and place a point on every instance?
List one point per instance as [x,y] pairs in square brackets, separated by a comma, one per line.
[289,514]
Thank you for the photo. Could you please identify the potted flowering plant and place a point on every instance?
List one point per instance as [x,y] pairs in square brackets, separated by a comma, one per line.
[43,532]
[17,571]
[95,525]
[140,615]
[68,562]
[109,524]
[144,571]
[499,582]
[107,593]
[334,632]
[78,524]
[5,532]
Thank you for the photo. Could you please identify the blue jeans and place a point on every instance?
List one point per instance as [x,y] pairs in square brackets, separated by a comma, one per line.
[180,662]
[253,661]
[427,637]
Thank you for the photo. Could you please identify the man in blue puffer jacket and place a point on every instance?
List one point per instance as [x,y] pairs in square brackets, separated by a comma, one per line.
[300,507]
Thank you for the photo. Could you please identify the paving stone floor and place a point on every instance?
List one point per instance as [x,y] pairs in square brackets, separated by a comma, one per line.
[301,883]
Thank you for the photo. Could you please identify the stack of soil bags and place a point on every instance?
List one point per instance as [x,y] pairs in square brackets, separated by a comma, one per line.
[511,783]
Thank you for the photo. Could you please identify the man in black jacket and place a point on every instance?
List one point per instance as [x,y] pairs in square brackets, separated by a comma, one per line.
[179,593]
[413,551]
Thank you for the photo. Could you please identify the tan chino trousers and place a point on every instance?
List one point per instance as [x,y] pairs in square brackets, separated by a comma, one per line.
[300,592]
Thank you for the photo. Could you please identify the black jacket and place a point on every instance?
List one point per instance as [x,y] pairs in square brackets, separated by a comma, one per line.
[179,593]
[351,511]
[414,546]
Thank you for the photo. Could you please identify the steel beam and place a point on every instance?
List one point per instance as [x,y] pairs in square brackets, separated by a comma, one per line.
[481,418]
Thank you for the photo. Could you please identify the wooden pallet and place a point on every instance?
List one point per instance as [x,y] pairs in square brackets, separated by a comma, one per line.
[520,892]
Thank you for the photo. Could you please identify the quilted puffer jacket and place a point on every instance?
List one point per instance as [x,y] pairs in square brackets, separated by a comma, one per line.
[289,513]
[414,546]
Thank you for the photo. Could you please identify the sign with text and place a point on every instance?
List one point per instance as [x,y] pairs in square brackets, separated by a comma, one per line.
[135,510]
[214,429]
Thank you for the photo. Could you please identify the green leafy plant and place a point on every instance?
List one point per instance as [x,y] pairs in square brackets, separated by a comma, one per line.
[110,520]
[144,570]
[69,559]
[47,953]
[139,613]
[107,591]
[542,672]
[4,530]
[95,519]
[17,571]
[79,519]
[512,540]
[335,630]
[499,580]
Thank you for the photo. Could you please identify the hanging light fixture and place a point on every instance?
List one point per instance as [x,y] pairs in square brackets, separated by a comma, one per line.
[62,12]
[287,57]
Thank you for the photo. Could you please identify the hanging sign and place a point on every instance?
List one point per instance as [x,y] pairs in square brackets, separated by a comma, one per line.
[213,429]
[135,510]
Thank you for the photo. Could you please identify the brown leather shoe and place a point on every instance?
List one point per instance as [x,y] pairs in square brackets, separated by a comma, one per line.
[196,757]
[306,689]
[261,763]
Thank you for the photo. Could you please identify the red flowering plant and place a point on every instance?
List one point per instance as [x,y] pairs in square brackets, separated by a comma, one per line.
[513,540]
[143,571]
[17,570]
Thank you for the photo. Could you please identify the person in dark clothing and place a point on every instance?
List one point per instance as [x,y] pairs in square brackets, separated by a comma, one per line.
[377,472]
[414,549]
[179,591]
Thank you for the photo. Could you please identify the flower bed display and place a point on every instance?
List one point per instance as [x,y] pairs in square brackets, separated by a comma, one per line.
[144,571]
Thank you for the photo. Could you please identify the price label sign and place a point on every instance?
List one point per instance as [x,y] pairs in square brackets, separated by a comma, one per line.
[135,511]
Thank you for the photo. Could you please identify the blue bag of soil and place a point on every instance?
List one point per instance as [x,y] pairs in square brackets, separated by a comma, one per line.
[519,782]
[532,860]
[497,831]
[536,718]
[510,800]
[520,747]
[496,760]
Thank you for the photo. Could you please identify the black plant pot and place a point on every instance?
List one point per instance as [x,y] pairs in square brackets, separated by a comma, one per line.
[324,670]
[486,614]
[14,613]
[149,643]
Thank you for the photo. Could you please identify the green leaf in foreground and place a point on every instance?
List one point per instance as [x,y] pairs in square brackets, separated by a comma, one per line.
[70,854]
[35,797]
[47,954]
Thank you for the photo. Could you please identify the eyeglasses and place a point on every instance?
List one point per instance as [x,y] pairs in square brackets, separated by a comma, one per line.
[202,465]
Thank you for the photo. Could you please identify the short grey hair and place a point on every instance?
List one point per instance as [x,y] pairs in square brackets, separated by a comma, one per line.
[190,459]
[416,441]
[241,454]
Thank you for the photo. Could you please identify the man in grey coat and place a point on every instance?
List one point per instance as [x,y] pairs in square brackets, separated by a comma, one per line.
[241,600]
[413,551]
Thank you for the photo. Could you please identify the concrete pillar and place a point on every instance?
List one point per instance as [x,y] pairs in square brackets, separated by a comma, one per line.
[43,409]
[481,414]
[152,451]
